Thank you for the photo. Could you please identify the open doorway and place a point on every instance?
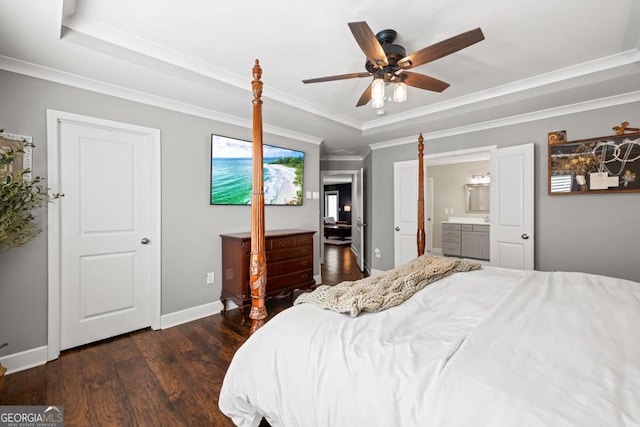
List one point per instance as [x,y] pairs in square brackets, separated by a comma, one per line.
[451,176]
[503,236]
[342,212]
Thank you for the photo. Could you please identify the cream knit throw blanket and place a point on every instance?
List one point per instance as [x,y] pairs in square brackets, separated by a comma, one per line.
[386,290]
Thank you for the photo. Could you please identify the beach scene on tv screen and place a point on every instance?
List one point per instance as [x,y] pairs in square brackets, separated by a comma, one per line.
[231,169]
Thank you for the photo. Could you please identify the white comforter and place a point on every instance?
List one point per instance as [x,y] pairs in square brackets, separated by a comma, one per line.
[493,347]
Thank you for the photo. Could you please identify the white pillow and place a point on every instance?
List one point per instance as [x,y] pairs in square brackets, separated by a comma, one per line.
[329,220]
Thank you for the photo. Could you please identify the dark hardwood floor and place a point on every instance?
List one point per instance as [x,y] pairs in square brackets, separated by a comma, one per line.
[170,377]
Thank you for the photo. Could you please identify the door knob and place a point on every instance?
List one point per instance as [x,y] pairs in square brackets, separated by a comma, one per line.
[397,228]
[525,236]
[144,241]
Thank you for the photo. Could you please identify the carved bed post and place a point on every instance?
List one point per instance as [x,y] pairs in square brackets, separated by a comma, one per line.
[421,235]
[258,264]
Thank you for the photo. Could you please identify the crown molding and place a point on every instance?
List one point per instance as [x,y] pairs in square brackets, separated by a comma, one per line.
[74,80]
[91,29]
[558,76]
[564,110]
[342,158]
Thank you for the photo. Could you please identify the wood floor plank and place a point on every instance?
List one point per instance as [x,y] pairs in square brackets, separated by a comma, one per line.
[191,397]
[65,388]
[106,396]
[170,377]
[149,402]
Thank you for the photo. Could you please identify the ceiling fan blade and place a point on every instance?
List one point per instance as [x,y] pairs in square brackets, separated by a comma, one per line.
[366,97]
[369,43]
[440,49]
[338,77]
[423,82]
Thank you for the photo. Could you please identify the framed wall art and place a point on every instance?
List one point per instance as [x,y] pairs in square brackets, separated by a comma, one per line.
[608,164]
[10,140]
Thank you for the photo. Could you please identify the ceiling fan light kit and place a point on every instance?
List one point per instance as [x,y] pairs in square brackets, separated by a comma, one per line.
[388,63]
[399,92]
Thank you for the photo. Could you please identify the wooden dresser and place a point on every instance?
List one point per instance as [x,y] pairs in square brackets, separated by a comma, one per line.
[289,256]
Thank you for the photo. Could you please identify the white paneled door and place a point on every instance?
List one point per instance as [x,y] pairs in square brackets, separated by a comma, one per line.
[512,210]
[405,211]
[108,230]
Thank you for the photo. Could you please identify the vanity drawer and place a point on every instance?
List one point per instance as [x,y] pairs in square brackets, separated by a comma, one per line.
[481,228]
[451,226]
[451,248]
[451,239]
[451,233]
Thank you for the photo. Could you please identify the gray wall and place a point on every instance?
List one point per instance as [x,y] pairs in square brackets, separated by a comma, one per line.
[594,233]
[191,228]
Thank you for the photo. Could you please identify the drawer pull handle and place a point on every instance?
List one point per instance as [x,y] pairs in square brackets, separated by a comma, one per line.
[304,276]
[283,244]
[304,263]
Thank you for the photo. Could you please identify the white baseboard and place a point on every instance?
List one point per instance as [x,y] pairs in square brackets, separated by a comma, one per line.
[190,314]
[24,360]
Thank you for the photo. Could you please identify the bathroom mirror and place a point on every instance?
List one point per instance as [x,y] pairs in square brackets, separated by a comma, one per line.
[477,198]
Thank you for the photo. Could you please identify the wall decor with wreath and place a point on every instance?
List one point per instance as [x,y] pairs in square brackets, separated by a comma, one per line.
[20,193]
[607,164]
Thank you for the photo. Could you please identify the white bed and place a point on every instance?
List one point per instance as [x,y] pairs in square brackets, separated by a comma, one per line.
[492,347]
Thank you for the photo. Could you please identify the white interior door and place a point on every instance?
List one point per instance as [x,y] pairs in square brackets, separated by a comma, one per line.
[428,202]
[405,211]
[108,230]
[512,210]
[359,224]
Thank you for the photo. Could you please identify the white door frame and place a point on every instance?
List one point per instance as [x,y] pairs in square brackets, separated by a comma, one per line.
[327,174]
[54,119]
[449,157]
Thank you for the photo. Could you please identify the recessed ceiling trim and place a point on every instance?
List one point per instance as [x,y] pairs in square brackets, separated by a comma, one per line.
[74,80]
[595,104]
[342,158]
[566,74]
[89,28]
[97,30]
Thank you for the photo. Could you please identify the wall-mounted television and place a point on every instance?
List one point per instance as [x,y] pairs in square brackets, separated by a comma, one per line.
[231,169]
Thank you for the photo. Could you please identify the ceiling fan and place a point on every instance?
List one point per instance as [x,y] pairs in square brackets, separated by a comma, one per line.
[388,62]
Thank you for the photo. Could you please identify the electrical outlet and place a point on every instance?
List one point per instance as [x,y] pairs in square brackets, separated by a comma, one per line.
[451,211]
[211,278]
[446,211]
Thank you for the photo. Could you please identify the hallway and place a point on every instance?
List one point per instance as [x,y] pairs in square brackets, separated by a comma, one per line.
[339,265]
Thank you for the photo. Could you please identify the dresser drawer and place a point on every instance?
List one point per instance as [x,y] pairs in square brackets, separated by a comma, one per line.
[275,256]
[287,281]
[281,243]
[289,266]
